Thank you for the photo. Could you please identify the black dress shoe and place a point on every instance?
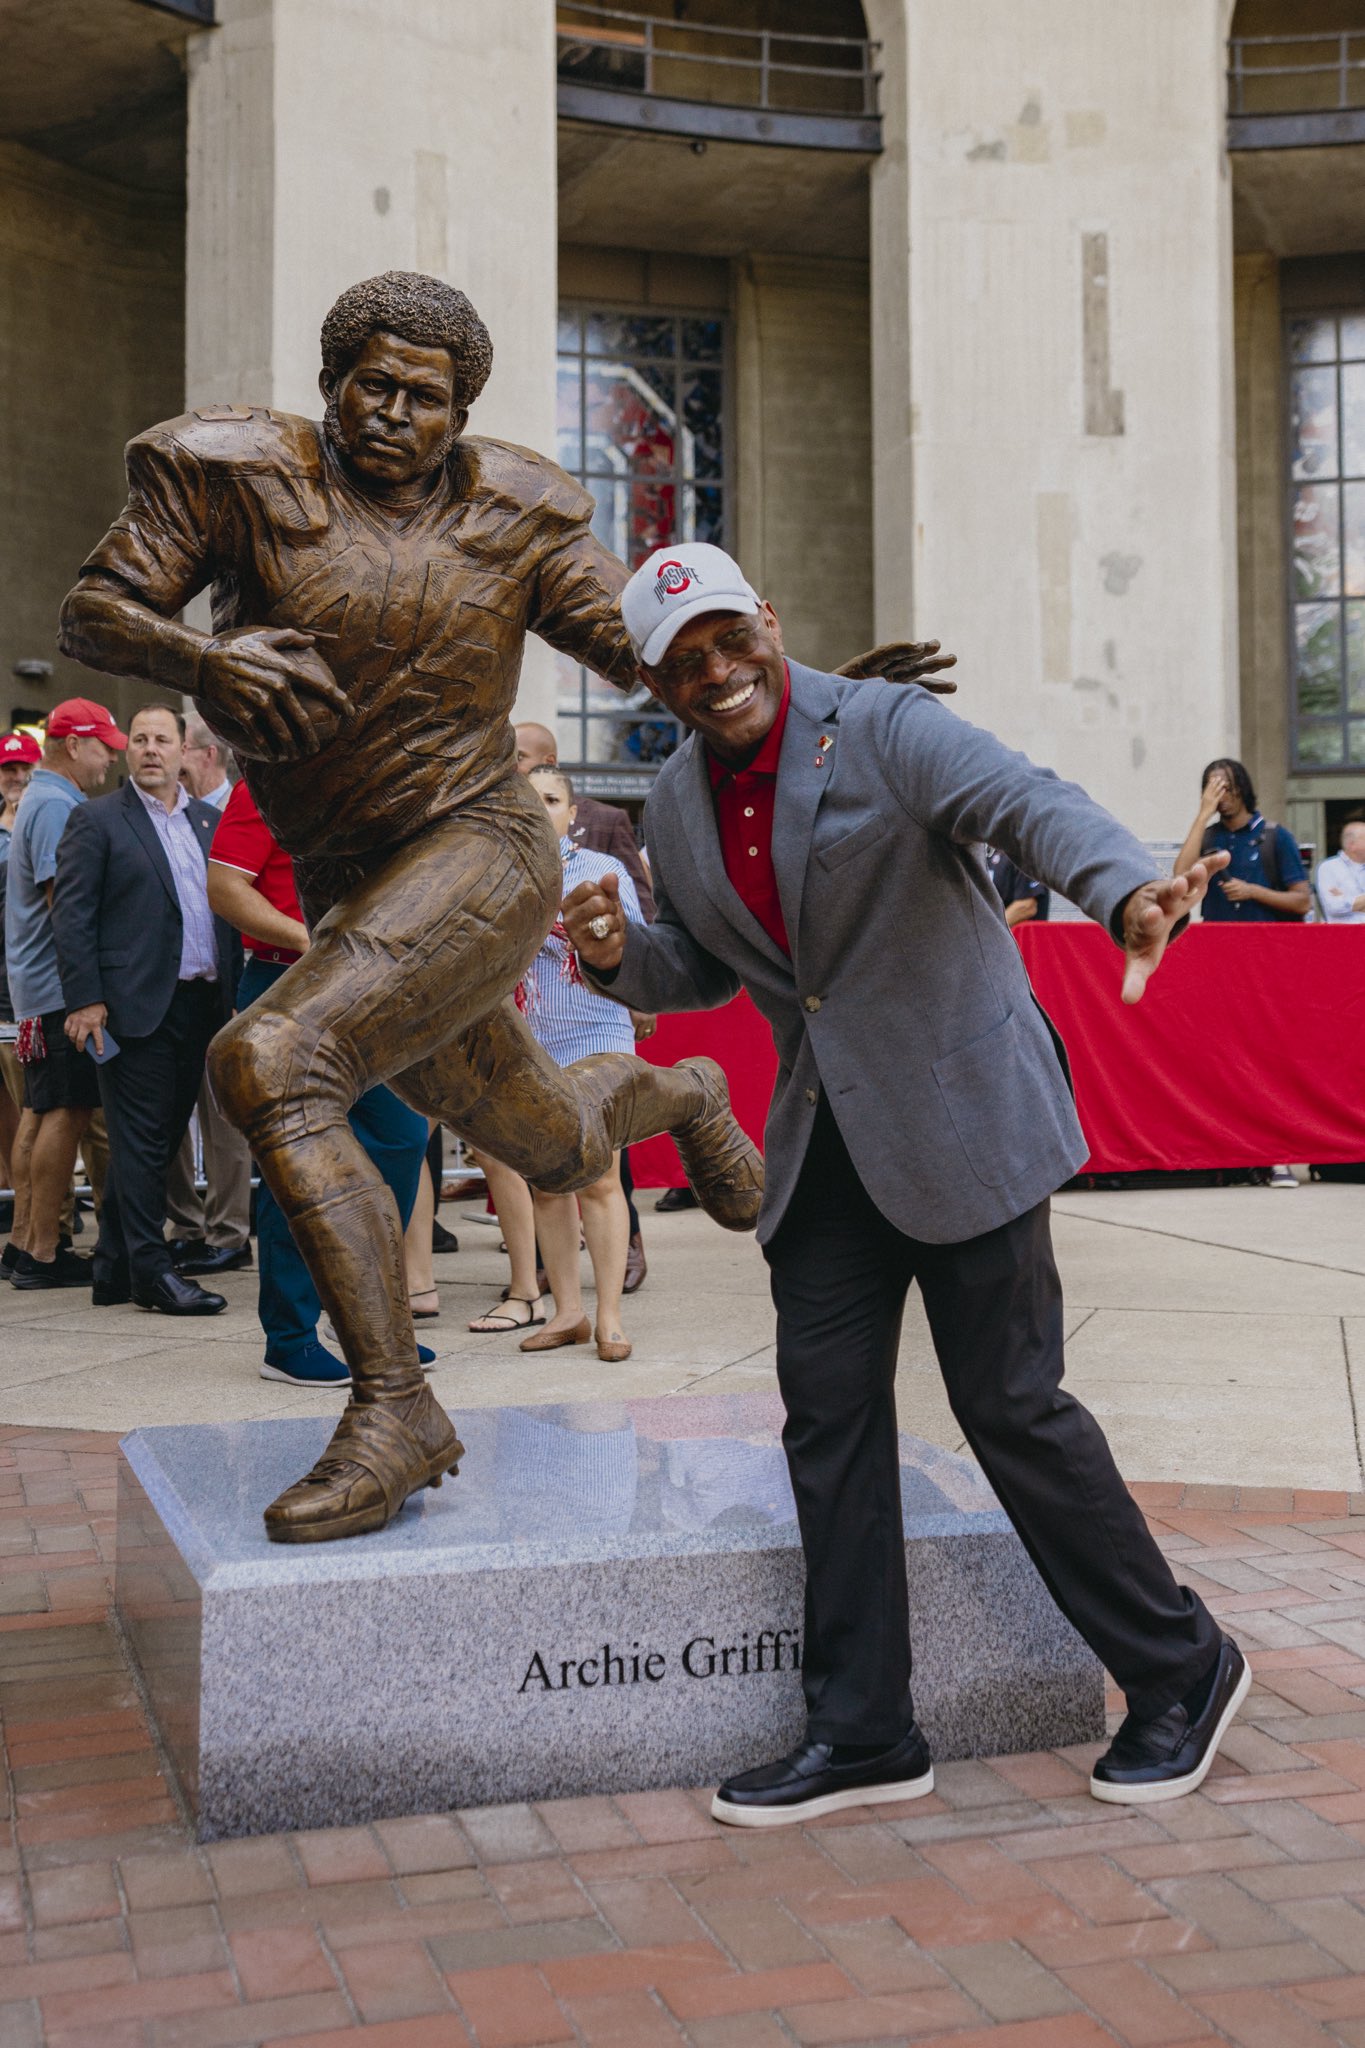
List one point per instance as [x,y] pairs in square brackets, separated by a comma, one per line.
[443,1240]
[182,1248]
[171,1295]
[675,1198]
[66,1270]
[810,1782]
[1170,1754]
[110,1293]
[233,1258]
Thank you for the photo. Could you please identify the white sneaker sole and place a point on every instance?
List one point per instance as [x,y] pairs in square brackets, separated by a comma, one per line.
[1176,1788]
[829,1802]
[273,1372]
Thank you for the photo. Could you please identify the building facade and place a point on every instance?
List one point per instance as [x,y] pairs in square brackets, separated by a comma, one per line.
[1035,326]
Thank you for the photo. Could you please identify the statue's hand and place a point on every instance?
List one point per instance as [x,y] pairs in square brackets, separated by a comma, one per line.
[904,661]
[271,691]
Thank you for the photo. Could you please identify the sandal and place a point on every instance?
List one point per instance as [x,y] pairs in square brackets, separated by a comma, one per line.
[424,1315]
[499,1318]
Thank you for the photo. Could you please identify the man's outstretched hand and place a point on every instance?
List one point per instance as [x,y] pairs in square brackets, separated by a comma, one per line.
[596,900]
[1150,915]
[904,661]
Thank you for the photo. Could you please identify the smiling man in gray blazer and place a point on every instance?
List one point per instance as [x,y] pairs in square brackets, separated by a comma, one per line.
[819,842]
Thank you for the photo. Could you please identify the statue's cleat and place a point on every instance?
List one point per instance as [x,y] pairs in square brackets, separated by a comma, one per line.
[722,1164]
[383,1449]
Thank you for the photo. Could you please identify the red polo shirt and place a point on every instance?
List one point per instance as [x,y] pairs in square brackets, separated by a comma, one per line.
[244,841]
[744,803]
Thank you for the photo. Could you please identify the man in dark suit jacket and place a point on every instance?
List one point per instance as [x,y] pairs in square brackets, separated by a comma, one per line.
[143,959]
[818,841]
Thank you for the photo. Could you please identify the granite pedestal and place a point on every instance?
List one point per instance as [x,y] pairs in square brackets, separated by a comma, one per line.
[608,1598]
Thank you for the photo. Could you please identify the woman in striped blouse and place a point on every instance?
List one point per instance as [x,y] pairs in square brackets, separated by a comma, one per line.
[571,1022]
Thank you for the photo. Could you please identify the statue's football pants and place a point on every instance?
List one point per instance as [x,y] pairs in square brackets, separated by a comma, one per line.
[409,980]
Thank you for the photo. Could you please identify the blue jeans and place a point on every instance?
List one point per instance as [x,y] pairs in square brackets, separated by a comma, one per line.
[395,1138]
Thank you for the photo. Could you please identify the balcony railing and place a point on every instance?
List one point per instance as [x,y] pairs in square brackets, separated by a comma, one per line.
[1296,91]
[735,84]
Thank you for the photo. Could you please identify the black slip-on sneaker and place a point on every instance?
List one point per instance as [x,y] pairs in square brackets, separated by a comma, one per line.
[1170,1755]
[808,1783]
[65,1270]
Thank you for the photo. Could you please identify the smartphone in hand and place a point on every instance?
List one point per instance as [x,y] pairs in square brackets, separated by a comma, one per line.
[110,1047]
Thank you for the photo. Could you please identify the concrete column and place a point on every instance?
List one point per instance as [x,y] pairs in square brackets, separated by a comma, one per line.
[803,464]
[330,139]
[1261,531]
[893,454]
[1053,378]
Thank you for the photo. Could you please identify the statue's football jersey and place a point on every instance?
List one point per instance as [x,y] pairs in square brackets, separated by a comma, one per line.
[421,614]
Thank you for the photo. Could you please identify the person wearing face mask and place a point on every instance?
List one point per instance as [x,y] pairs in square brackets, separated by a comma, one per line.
[571,1022]
[144,960]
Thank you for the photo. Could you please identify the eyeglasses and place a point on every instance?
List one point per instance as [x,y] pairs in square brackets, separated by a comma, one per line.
[730,646]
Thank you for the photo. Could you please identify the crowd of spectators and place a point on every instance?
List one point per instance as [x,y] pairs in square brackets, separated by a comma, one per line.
[133,923]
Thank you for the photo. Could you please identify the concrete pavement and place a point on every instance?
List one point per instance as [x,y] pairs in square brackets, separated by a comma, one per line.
[1218,1335]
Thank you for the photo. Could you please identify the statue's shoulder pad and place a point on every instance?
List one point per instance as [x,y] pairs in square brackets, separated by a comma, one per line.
[519,475]
[241,437]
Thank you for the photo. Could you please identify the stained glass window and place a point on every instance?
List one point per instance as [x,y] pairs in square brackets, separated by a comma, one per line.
[1327,538]
[642,423]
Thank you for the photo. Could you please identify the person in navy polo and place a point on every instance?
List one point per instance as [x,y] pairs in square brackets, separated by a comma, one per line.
[1023,899]
[1265,881]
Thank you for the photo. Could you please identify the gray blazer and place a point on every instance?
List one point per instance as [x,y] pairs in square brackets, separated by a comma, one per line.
[905,999]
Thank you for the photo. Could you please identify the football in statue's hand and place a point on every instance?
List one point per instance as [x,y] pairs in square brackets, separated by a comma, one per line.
[269,693]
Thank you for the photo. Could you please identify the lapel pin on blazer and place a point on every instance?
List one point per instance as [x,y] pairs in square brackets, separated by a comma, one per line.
[826,742]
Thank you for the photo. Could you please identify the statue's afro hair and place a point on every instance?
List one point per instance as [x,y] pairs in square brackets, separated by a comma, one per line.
[421,309]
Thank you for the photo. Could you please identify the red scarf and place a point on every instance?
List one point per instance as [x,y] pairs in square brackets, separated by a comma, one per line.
[526,994]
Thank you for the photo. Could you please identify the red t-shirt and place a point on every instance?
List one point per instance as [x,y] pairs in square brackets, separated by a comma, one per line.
[744,822]
[244,841]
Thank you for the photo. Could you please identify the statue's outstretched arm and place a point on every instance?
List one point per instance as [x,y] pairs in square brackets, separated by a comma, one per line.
[267,690]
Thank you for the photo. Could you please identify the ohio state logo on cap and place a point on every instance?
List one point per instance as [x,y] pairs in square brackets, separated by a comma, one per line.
[672,579]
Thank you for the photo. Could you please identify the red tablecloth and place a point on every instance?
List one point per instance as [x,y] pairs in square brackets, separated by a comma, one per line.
[736,1036]
[1246,1048]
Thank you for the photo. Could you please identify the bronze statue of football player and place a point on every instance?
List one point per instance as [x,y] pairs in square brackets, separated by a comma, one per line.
[374,578]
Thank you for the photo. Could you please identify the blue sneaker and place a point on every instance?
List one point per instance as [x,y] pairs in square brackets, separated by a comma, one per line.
[312,1365]
[316,1366]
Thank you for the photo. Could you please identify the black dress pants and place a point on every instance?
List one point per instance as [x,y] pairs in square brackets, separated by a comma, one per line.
[148,1090]
[840,1274]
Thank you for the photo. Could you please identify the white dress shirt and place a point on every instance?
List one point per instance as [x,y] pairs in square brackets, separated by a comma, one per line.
[1340,881]
[198,945]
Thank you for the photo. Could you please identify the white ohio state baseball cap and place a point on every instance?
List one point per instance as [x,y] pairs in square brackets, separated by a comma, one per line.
[677,584]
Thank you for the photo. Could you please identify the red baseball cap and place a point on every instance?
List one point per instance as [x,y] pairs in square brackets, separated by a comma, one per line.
[87,720]
[19,746]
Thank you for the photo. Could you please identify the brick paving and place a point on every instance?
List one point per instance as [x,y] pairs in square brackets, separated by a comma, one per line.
[1007,1911]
